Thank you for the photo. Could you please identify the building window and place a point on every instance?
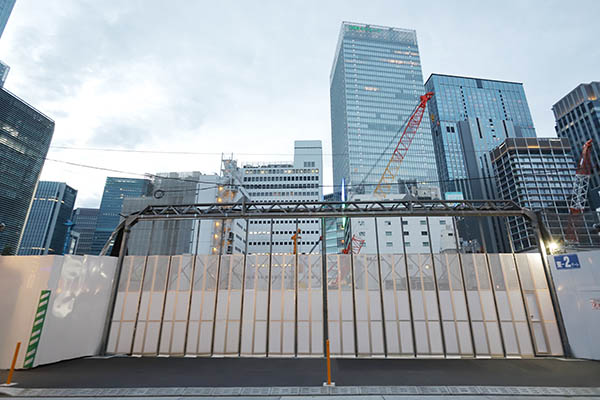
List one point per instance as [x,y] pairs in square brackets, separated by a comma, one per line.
[389,244]
[404,222]
[442,222]
[423,222]
[423,233]
[361,234]
[406,244]
[388,233]
[426,244]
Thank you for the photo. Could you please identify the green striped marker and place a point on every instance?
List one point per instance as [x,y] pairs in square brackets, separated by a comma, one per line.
[36,331]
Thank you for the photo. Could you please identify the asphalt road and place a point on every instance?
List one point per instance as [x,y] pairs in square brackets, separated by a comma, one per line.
[246,372]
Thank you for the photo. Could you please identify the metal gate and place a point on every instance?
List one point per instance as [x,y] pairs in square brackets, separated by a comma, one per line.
[391,305]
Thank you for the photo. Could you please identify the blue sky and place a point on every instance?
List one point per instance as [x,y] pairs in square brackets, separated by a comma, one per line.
[249,78]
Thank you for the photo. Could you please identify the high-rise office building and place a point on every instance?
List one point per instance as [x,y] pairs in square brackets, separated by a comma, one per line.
[470,117]
[6,7]
[375,84]
[84,223]
[577,118]
[4,69]
[25,135]
[115,190]
[537,173]
[46,228]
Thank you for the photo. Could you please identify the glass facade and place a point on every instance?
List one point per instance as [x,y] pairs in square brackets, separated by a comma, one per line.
[25,136]
[375,85]
[46,230]
[493,111]
[115,190]
[84,220]
[577,118]
[6,7]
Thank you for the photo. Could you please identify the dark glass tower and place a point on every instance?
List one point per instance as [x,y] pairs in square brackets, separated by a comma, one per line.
[84,223]
[46,230]
[115,190]
[6,7]
[578,119]
[25,136]
[375,84]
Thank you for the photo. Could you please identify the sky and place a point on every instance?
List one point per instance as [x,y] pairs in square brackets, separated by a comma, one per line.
[248,78]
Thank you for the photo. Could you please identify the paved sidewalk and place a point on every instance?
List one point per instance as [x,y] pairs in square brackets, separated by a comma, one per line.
[131,372]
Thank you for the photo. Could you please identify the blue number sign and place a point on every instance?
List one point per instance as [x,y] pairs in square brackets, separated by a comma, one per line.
[567,261]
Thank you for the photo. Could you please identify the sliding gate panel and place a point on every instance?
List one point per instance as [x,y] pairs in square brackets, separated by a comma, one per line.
[369,324]
[282,315]
[202,306]
[126,305]
[453,305]
[426,317]
[396,306]
[340,305]
[229,306]
[174,322]
[540,310]
[511,311]
[484,321]
[254,314]
[310,305]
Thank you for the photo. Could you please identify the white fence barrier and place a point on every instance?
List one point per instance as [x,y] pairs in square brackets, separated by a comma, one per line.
[71,320]
[577,281]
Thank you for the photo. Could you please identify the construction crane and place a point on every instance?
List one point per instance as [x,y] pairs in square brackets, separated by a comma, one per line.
[580,190]
[388,179]
[355,244]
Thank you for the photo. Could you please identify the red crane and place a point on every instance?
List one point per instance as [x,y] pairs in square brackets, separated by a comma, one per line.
[388,179]
[355,243]
[580,190]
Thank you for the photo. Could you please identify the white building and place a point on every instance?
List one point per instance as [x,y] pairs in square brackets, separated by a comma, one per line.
[300,180]
[397,235]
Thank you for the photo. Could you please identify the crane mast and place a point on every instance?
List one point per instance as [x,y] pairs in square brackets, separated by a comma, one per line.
[580,189]
[388,179]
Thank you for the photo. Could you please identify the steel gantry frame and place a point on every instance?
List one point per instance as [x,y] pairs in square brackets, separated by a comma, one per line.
[248,210]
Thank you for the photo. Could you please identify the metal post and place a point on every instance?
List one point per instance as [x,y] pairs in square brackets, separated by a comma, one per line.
[324,280]
[557,312]
[353,293]
[217,283]
[243,287]
[464,285]
[115,287]
[437,290]
[164,305]
[269,290]
[296,292]
[137,312]
[385,351]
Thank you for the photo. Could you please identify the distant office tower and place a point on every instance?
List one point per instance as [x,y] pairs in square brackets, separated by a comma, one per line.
[538,174]
[84,223]
[577,118]
[334,228]
[46,228]
[300,180]
[4,69]
[115,190]
[6,7]
[375,84]
[25,136]
[470,117]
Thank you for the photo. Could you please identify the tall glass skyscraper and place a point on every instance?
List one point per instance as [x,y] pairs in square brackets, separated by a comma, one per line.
[115,190]
[486,112]
[577,118]
[46,229]
[375,85]
[25,136]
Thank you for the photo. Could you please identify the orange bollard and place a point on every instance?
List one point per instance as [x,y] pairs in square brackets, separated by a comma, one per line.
[14,361]
[328,383]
